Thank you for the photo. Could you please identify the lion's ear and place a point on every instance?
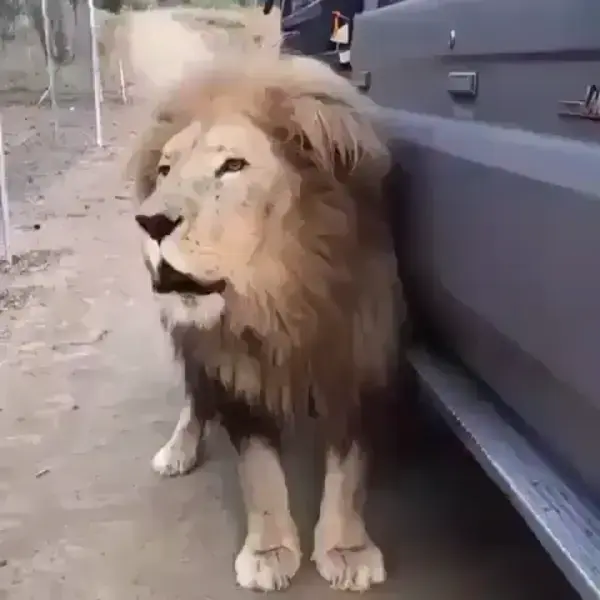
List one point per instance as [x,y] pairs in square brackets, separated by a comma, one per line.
[340,139]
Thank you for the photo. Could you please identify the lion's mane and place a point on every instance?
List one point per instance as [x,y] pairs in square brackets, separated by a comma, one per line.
[329,327]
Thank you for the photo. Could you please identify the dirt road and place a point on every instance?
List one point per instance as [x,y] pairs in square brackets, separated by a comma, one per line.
[87,395]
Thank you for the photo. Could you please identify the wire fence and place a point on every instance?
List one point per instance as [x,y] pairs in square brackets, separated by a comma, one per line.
[49,100]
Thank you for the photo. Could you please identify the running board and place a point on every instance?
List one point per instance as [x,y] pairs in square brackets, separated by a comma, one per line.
[566,528]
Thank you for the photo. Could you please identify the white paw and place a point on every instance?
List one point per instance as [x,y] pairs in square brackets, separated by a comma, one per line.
[351,569]
[176,458]
[266,570]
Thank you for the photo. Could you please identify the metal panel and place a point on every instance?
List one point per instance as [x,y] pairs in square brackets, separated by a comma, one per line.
[503,218]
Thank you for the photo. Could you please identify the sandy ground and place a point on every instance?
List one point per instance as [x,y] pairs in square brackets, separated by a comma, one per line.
[88,393]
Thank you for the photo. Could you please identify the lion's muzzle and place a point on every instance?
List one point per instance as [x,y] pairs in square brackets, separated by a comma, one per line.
[165,278]
[168,280]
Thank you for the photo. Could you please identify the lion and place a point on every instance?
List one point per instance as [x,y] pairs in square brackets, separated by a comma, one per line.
[265,236]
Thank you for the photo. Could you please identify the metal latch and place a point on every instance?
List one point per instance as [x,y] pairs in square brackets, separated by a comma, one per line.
[462,83]
[583,109]
[361,80]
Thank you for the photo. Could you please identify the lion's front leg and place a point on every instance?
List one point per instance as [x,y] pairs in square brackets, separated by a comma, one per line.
[343,552]
[271,553]
[180,454]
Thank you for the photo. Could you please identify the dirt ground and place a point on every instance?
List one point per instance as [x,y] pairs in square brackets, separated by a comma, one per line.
[88,393]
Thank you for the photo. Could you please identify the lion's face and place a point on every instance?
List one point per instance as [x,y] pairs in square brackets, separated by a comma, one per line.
[218,190]
[259,184]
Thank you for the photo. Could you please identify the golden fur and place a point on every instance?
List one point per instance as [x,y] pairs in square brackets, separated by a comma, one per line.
[300,236]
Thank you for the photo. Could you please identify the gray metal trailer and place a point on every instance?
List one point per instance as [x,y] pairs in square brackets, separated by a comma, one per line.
[494,112]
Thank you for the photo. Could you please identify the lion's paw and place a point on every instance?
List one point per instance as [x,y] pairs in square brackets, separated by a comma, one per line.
[176,458]
[351,569]
[267,570]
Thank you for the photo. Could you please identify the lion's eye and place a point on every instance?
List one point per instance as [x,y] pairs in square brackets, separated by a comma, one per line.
[163,170]
[232,165]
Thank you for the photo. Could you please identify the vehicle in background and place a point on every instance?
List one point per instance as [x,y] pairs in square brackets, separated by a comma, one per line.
[493,108]
[309,25]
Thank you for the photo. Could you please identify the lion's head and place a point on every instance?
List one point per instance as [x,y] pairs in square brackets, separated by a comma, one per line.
[259,184]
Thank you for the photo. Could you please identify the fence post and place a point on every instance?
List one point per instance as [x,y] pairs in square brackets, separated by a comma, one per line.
[4,199]
[50,65]
[96,75]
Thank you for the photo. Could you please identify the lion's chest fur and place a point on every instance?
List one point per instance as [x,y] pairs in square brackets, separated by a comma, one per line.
[247,367]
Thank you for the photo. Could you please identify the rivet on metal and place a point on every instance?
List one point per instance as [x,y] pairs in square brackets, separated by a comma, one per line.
[452,41]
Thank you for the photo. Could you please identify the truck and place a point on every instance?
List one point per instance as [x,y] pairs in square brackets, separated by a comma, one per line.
[492,109]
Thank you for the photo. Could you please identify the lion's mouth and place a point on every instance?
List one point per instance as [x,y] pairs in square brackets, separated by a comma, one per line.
[170,281]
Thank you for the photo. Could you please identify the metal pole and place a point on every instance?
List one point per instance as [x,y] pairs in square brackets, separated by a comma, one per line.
[122,82]
[50,66]
[4,199]
[96,73]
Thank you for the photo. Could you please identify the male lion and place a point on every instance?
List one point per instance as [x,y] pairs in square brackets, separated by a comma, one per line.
[267,245]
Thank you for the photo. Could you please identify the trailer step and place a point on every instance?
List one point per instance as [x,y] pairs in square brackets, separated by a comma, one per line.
[559,518]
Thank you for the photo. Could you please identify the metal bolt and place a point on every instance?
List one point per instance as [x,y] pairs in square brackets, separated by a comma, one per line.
[452,41]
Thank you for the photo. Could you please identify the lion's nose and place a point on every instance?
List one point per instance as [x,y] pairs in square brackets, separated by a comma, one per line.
[157,226]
